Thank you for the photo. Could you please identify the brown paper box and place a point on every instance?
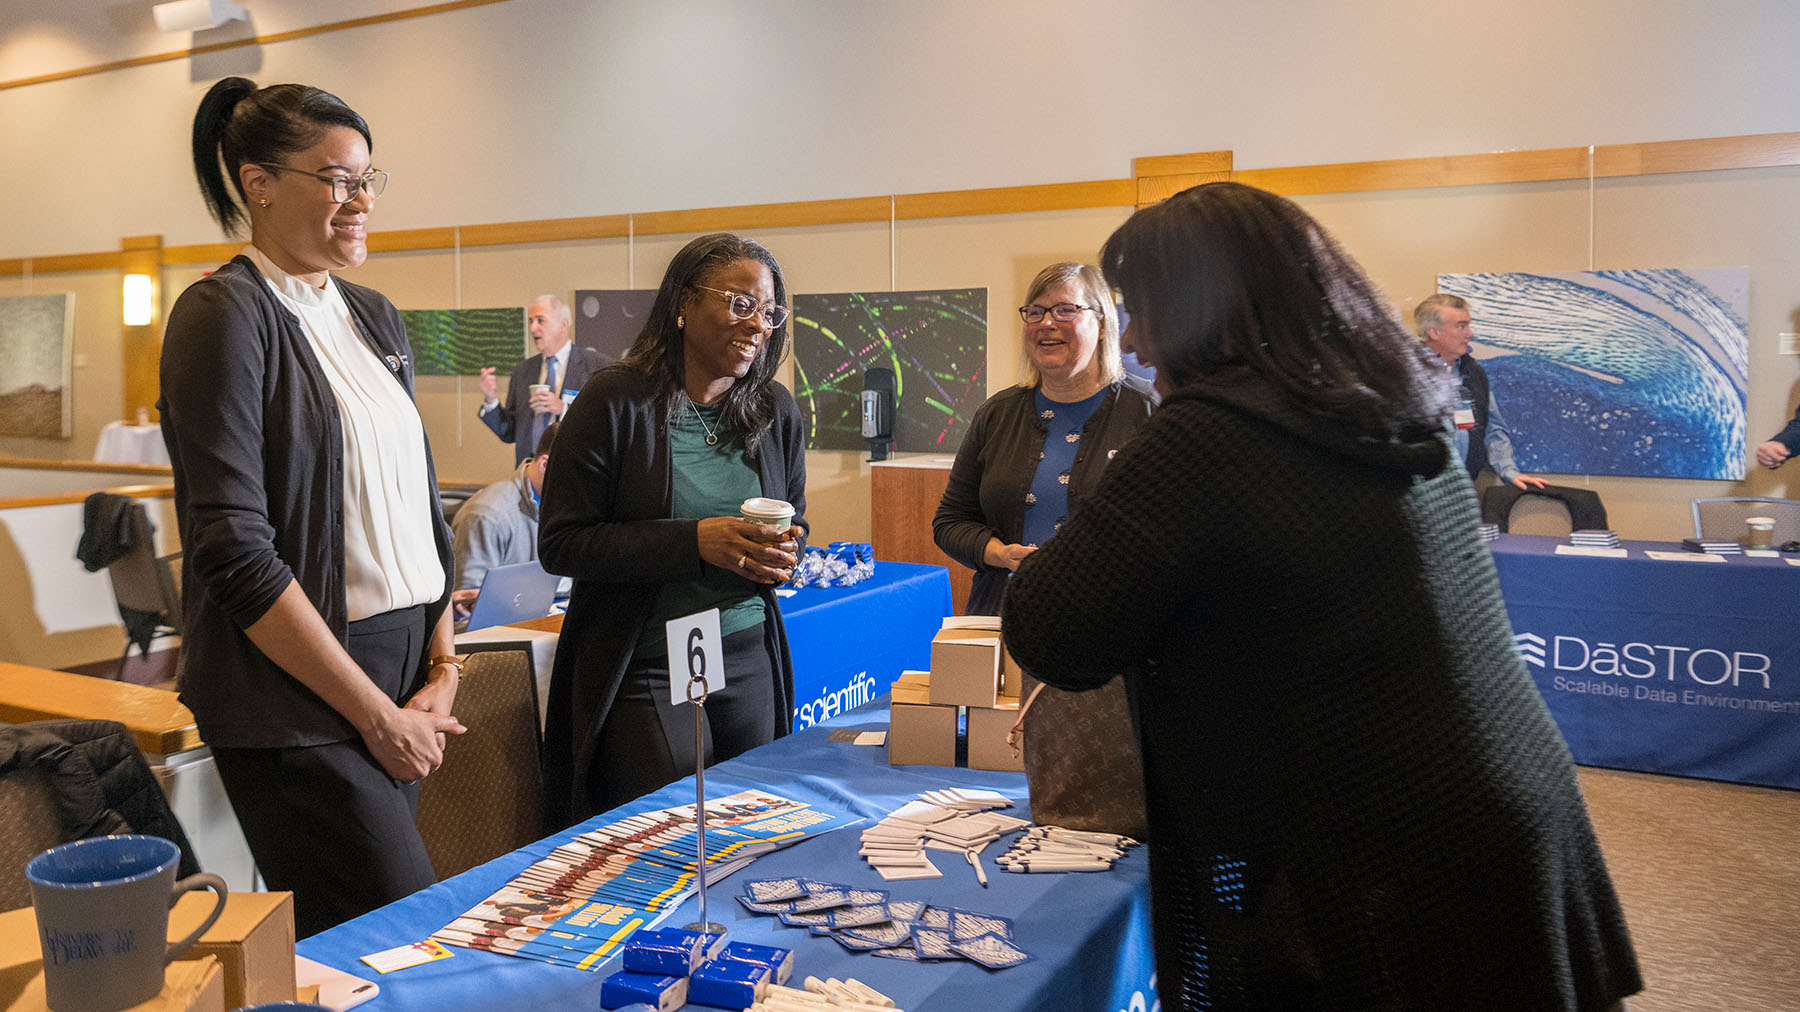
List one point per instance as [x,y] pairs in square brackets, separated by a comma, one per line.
[189,985]
[987,737]
[970,667]
[253,940]
[920,734]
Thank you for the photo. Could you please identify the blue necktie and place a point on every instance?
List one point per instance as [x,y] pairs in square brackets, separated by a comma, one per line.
[541,420]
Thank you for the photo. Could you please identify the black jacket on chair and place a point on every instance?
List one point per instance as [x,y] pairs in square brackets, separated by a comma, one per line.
[1585,511]
[98,778]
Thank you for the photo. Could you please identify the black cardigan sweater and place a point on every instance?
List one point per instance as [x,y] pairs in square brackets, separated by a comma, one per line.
[604,520]
[985,497]
[1358,798]
[258,454]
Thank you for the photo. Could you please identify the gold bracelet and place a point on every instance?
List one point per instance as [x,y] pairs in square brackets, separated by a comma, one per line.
[450,659]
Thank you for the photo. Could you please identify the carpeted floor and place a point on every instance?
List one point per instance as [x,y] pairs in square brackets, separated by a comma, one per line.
[1709,875]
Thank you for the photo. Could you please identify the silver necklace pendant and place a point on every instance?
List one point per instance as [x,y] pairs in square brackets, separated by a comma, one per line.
[712,438]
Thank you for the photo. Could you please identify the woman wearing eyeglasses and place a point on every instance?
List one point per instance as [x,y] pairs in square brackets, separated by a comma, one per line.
[1032,450]
[640,506]
[317,654]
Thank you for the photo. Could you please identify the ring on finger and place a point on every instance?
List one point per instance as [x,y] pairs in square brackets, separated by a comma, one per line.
[744,561]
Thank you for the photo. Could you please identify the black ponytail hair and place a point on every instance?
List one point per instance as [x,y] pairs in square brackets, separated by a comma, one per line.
[238,123]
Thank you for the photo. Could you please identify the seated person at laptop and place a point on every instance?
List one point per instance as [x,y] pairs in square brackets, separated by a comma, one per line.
[498,525]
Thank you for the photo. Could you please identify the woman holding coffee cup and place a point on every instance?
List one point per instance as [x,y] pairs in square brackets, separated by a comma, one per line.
[317,656]
[646,504]
[1034,449]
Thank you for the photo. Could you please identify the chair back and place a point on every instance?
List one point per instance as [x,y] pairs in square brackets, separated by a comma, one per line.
[1722,518]
[30,823]
[140,580]
[1540,514]
[487,799]
[69,779]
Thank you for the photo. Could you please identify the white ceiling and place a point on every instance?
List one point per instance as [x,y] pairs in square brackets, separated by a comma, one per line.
[40,37]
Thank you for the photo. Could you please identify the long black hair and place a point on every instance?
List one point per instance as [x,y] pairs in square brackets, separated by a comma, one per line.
[1224,275]
[239,124]
[749,406]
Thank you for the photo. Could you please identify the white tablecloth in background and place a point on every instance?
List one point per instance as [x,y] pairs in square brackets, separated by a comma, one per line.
[124,443]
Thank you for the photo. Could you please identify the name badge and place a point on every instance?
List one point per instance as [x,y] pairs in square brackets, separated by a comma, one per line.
[1465,415]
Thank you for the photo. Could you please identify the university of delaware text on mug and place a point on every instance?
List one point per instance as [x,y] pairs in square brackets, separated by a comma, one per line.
[102,909]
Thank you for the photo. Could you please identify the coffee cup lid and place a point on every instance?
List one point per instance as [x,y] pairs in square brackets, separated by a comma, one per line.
[760,507]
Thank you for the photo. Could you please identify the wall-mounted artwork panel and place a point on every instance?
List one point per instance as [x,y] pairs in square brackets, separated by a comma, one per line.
[37,340]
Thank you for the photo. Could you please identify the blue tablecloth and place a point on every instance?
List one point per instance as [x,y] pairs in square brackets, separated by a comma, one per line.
[1690,668]
[1089,932]
[850,643]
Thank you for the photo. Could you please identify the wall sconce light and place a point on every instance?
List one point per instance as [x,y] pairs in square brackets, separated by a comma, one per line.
[195,15]
[140,300]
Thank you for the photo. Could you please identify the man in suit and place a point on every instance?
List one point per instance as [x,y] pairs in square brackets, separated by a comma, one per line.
[558,371]
[1481,434]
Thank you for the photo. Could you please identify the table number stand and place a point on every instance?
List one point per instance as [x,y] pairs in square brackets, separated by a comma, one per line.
[696,636]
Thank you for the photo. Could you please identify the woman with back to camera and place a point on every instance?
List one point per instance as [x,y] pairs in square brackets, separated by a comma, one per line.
[317,654]
[1372,805]
[1034,449]
[641,507]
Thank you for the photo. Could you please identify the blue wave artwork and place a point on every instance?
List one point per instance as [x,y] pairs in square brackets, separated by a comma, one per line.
[1632,372]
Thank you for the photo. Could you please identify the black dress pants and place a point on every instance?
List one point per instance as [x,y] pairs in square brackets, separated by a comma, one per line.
[648,742]
[326,822]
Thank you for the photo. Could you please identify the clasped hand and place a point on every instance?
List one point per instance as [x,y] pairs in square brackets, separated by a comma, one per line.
[759,553]
[408,741]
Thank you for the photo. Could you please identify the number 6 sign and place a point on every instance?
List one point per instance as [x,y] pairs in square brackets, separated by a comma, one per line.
[696,661]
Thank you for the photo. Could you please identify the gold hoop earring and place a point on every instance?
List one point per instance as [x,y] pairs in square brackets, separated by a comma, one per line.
[680,322]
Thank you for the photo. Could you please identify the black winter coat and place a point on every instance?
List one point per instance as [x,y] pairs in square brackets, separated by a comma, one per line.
[1358,799]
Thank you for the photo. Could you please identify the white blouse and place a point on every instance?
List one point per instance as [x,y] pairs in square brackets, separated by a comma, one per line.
[390,557]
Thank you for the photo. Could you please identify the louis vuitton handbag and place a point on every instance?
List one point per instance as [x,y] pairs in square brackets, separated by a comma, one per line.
[1081,759]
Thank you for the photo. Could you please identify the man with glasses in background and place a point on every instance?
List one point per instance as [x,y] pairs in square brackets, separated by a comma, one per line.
[543,385]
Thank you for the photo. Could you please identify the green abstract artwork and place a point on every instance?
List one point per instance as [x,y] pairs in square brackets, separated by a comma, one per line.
[461,342]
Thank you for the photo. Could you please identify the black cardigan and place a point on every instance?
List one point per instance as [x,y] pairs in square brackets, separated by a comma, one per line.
[1354,787]
[985,497]
[258,454]
[604,520]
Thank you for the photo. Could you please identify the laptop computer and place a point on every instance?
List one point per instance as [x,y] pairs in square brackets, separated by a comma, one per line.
[511,594]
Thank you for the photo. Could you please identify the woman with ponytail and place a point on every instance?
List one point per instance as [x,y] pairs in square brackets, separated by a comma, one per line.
[318,656]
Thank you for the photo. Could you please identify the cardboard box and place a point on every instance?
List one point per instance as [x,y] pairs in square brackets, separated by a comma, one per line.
[253,940]
[189,985]
[970,667]
[988,728]
[919,734]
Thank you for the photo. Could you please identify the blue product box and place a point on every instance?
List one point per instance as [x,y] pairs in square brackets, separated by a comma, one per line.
[778,961]
[728,983]
[668,951]
[664,994]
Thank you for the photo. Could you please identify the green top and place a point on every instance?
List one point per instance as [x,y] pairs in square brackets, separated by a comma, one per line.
[705,481]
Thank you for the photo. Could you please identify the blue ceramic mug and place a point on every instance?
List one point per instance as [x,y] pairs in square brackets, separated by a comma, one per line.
[103,919]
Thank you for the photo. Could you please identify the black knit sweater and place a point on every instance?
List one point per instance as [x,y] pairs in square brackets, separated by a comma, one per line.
[1357,797]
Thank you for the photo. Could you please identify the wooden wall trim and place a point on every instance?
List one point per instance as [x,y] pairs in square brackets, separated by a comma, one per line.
[41,464]
[73,498]
[1607,161]
[258,40]
[1015,199]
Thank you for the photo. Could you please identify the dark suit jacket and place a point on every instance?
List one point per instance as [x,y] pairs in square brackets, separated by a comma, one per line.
[512,418]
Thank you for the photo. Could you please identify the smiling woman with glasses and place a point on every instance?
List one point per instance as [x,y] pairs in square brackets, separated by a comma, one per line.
[641,507]
[317,658]
[1034,449]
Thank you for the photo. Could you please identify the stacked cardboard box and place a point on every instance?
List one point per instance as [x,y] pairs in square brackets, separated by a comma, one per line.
[971,675]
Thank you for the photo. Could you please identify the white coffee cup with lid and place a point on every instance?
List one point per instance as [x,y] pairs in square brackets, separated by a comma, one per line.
[768,512]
